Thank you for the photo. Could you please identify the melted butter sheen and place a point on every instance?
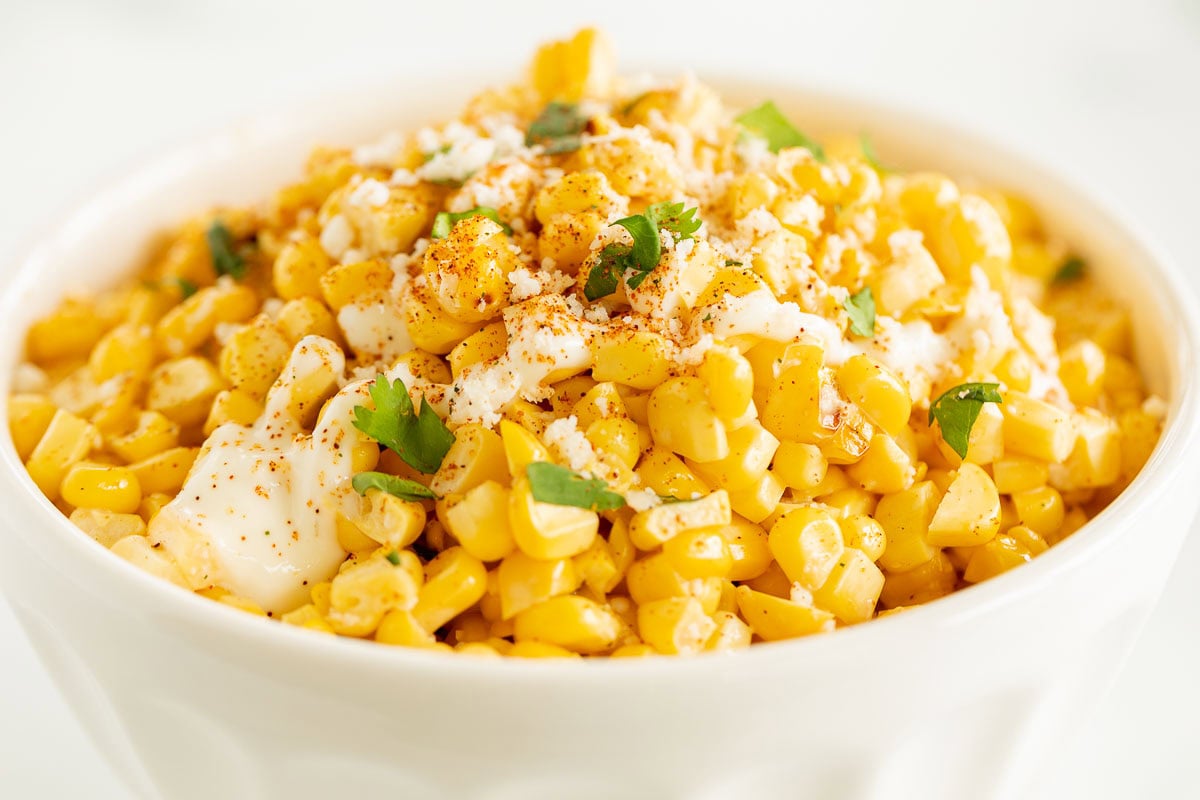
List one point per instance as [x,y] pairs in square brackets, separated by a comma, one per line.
[257,515]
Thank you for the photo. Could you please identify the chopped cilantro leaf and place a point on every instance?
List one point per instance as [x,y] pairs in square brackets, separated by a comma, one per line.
[393,558]
[420,439]
[635,263]
[769,122]
[551,483]
[672,217]
[1071,270]
[558,128]
[221,247]
[868,151]
[957,409]
[861,308]
[445,220]
[400,487]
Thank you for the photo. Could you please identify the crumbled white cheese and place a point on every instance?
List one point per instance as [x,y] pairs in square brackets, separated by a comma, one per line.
[382,152]
[642,499]
[374,328]
[336,236]
[368,194]
[404,177]
[568,442]
[693,354]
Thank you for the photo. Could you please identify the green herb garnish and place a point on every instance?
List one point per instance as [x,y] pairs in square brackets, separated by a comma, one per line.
[769,122]
[420,439]
[957,409]
[868,151]
[1071,270]
[635,263]
[225,258]
[559,128]
[393,558]
[400,487]
[861,308]
[445,220]
[186,287]
[551,483]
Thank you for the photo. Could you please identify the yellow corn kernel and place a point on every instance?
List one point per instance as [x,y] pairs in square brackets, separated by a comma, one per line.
[107,527]
[138,551]
[101,486]
[1019,474]
[126,348]
[231,405]
[29,416]
[598,401]
[183,390]
[523,582]
[729,379]
[431,328]
[468,628]
[189,324]
[649,529]
[682,420]
[477,650]
[67,440]
[253,357]
[548,531]
[306,316]
[800,466]
[454,581]
[807,543]
[1081,370]
[468,270]
[575,68]
[360,595]
[307,616]
[751,448]
[972,234]
[166,471]
[539,650]
[153,433]
[571,622]
[885,468]
[298,269]
[730,634]
[479,520]
[759,500]
[748,549]
[71,330]
[485,344]
[881,395]
[151,504]
[1015,370]
[1041,510]
[639,359]
[476,457]
[986,441]
[1096,459]
[969,512]
[653,578]
[1027,538]
[390,521]
[792,407]
[999,555]
[700,553]
[849,502]
[929,581]
[775,618]
[862,532]
[905,517]
[675,625]
[1037,429]
[618,437]
[399,627]
[662,471]
[598,568]
[633,651]
[852,589]
[341,284]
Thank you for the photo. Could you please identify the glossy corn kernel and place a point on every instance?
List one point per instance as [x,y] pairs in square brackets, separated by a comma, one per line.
[864,533]
[571,622]
[729,379]
[400,627]
[852,588]
[191,323]
[523,582]
[571,69]
[389,520]
[1095,460]
[806,543]
[1036,429]
[682,420]
[429,325]
[792,408]
[663,471]
[102,486]
[757,501]
[997,556]
[29,416]
[749,552]
[638,359]
[232,405]
[69,331]
[165,472]
[701,553]
[548,531]
[653,578]
[477,456]
[468,270]
[929,581]
[774,618]
[342,284]
[598,567]
[183,390]
[986,441]
[138,551]
[66,441]
[1041,510]
[649,529]
[618,437]
[1081,370]
[1019,474]
[799,466]
[885,468]
[253,357]
[487,343]
[675,626]
[905,517]
[298,269]
[306,316]
[360,596]
[881,395]
[125,348]
[454,581]
[478,519]
[107,527]
[751,448]
[969,512]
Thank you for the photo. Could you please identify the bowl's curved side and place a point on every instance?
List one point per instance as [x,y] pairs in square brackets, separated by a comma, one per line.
[215,702]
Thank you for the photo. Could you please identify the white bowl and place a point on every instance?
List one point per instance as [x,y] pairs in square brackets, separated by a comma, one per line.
[957,699]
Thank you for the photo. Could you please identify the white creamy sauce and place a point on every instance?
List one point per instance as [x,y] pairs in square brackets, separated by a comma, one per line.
[257,514]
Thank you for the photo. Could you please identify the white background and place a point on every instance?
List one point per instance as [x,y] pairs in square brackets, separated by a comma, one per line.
[1104,90]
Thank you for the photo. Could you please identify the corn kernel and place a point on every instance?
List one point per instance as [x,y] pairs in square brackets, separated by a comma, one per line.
[1037,429]
[100,486]
[800,466]
[757,501]
[548,531]
[852,589]
[479,520]
[905,517]
[107,527]
[775,618]
[807,543]
[138,551]
[1041,510]
[361,595]
[649,529]
[571,622]
[999,555]
[67,440]
[675,625]
[183,390]
[682,420]
[969,512]
[231,405]
[29,416]
[454,582]
[751,448]
[126,348]
[298,269]
[165,472]
[929,581]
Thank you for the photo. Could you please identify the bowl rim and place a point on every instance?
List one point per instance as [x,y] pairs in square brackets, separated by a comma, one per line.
[1181,432]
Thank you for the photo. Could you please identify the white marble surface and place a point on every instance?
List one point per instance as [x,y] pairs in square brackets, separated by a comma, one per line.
[1107,91]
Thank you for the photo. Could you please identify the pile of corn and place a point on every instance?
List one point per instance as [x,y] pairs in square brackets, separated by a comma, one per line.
[764,488]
